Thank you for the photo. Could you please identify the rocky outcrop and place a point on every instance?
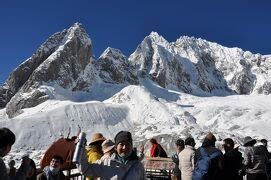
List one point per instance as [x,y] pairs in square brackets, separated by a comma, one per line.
[200,67]
[62,67]
[113,67]
[21,74]
[154,59]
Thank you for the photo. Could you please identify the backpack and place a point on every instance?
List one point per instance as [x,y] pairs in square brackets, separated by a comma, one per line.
[203,164]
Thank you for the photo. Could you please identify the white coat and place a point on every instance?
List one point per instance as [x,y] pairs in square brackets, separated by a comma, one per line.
[186,162]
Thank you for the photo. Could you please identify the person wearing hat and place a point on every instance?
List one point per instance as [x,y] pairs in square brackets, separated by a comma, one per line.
[94,149]
[186,159]
[255,160]
[123,164]
[108,149]
[209,150]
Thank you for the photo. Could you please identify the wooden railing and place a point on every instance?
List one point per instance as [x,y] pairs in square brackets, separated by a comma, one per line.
[158,168]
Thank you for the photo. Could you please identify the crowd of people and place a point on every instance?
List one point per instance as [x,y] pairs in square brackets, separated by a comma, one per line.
[118,159]
[208,162]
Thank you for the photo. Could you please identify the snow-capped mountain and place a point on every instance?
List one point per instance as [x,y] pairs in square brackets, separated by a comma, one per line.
[113,67]
[59,61]
[197,66]
[164,89]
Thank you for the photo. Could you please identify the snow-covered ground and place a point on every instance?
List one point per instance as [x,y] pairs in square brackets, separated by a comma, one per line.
[147,110]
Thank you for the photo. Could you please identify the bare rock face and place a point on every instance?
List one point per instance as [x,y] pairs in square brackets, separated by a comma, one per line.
[261,68]
[5,95]
[200,67]
[114,67]
[65,59]
[154,59]
[21,74]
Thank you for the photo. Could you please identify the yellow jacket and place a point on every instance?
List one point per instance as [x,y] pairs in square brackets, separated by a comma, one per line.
[93,155]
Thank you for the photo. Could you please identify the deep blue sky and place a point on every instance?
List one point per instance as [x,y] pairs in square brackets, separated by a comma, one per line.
[123,24]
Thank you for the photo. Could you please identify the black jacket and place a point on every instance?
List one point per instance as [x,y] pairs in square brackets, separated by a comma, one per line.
[231,164]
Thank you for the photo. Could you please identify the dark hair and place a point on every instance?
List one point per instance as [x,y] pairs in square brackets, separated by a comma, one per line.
[229,141]
[33,165]
[180,143]
[7,137]
[153,141]
[11,163]
[189,141]
[264,141]
[57,157]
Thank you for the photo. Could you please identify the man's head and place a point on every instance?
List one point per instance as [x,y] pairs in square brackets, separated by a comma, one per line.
[7,139]
[11,164]
[124,143]
[56,163]
[264,141]
[190,141]
[228,144]
[179,144]
[211,137]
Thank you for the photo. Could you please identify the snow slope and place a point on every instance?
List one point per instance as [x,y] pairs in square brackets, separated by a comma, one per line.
[147,110]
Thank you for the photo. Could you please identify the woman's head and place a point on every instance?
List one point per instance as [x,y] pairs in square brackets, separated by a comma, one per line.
[153,141]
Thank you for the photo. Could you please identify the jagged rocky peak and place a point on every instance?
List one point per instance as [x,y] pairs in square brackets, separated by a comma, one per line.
[154,58]
[158,39]
[68,60]
[115,68]
[60,61]
[150,54]
[114,54]
[239,69]
[210,68]
[20,75]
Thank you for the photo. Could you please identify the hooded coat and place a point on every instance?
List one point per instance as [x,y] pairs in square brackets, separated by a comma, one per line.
[214,172]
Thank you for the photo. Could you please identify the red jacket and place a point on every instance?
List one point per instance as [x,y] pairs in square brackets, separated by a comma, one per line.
[157,151]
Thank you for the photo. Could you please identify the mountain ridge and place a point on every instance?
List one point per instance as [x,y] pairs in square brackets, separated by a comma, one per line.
[192,65]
